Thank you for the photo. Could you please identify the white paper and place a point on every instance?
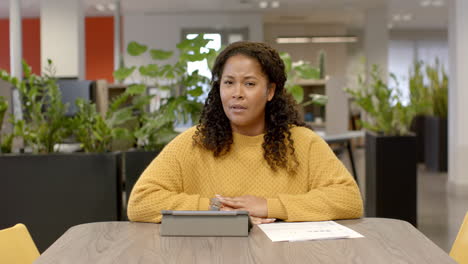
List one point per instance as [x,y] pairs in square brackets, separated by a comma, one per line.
[307,231]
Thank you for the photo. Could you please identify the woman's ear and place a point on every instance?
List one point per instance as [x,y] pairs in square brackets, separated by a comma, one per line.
[271,91]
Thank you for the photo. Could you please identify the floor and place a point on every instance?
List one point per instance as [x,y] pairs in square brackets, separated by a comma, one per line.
[441,206]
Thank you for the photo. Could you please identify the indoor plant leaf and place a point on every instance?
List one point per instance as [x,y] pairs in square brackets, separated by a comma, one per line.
[157,54]
[135,49]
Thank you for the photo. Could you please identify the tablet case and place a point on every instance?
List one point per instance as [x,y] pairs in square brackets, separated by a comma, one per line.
[205,223]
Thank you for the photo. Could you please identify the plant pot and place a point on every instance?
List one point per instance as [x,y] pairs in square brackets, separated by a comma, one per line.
[51,193]
[133,165]
[436,144]
[418,127]
[391,177]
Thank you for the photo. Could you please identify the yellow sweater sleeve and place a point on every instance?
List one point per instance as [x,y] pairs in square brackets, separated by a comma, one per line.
[333,193]
[160,187]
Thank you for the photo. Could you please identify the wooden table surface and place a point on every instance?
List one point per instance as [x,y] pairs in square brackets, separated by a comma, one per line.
[386,241]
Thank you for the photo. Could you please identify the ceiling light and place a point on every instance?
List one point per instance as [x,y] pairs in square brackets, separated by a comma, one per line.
[435,3]
[321,39]
[111,6]
[425,3]
[438,3]
[263,4]
[407,17]
[389,25]
[275,4]
[100,7]
[397,17]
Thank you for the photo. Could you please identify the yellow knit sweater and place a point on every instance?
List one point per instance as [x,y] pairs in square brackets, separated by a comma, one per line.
[185,177]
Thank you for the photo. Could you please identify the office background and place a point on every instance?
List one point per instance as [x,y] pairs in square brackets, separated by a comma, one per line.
[80,37]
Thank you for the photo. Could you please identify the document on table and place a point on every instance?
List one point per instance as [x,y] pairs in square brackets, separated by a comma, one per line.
[307,231]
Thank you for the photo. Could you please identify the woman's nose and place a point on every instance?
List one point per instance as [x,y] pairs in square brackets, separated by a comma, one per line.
[238,92]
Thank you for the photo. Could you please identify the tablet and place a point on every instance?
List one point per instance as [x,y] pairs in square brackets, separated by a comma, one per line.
[205,223]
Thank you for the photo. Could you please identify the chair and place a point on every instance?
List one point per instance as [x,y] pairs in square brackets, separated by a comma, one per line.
[17,246]
[459,250]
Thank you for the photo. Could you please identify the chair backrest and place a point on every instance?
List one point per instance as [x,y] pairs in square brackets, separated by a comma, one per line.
[17,246]
[459,250]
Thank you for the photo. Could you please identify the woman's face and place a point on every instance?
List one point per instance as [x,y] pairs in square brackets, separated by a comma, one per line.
[245,90]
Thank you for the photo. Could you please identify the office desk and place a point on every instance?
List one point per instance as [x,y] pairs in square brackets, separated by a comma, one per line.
[386,241]
[344,138]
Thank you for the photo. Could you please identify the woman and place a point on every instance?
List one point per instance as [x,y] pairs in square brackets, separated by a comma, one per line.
[250,150]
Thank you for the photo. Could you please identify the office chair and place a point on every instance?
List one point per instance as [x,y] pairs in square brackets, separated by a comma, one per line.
[459,250]
[17,246]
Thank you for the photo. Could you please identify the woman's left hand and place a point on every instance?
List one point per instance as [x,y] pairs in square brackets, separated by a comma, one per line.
[256,206]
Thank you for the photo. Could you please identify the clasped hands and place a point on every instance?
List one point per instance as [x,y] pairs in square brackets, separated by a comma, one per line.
[256,206]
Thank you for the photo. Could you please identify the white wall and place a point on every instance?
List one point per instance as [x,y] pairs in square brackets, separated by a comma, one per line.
[405,47]
[62,36]
[163,31]
[335,64]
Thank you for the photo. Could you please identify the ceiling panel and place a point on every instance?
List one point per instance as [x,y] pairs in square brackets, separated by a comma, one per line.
[350,12]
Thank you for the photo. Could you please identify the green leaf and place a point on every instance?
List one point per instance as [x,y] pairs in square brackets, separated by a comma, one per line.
[121,133]
[306,71]
[135,49]
[157,54]
[123,73]
[297,92]
[136,89]
[150,70]
[196,92]
[26,69]
[119,117]
[319,99]
[287,62]
[167,71]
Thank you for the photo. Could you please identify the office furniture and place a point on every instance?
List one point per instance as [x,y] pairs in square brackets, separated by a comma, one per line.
[436,143]
[459,250]
[313,112]
[73,89]
[345,139]
[51,193]
[133,165]
[385,241]
[17,246]
[391,177]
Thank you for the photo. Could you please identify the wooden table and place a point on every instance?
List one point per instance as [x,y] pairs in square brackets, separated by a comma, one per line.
[386,241]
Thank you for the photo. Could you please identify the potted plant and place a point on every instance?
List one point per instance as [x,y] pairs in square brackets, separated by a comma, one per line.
[390,149]
[303,70]
[46,190]
[436,123]
[420,99]
[6,140]
[155,129]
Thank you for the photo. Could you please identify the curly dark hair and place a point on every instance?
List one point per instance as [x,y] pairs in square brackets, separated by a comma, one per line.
[214,130]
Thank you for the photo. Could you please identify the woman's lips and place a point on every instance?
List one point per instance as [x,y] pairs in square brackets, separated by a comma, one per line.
[237,108]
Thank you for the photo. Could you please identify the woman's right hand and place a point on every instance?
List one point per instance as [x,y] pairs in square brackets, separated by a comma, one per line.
[260,220]
[255,220]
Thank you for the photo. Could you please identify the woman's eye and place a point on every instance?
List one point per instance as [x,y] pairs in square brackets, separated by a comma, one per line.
[227,82]
[250,84]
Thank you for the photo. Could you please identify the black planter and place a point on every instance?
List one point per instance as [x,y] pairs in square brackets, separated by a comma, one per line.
[418,126]
[391,177]
[436,143]
[133,165]
[51,193]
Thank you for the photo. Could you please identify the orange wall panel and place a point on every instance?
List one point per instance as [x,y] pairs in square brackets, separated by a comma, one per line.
[99,48]
[31,43]
[4,45]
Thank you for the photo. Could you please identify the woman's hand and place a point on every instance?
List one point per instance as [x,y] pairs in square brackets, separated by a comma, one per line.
[259,220]
[253,219]
[256,206]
